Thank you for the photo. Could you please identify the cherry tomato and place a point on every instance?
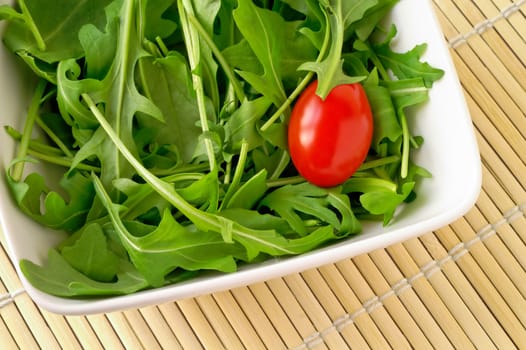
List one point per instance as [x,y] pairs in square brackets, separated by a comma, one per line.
[329,139]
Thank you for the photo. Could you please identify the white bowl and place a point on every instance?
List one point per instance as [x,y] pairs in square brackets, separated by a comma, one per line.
[450,153]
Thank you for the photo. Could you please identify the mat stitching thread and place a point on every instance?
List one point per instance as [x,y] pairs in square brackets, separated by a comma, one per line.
[483,26]
[426,271]
[8,298]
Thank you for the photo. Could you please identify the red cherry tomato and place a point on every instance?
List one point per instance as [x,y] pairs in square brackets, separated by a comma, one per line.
[329,139]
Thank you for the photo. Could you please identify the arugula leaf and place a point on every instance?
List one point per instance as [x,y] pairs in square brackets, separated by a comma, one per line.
[365,26]
[157,19]
[170,246]
[56,213]
[407,93]
[249,194]
[91,256]
[99,47]
[49,30]
[258,221]
[339,14]
[292,200]
[348,222]
[407,65]
[385,119]
[242,124]
[58,277]
[140,199]
[167,82]
[261,28]
[117,91]
[355,10]
[203,193]
[385,202]
[313,25]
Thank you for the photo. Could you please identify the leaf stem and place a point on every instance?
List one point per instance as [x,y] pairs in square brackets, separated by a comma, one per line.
[337,29]
[238,172]
[378,64]
[219,56]
[301,86]
[192,46]
[285,181]
[181,169]
[62,161]
[284,160]
[51,134]
[293,180]
[406,135]
[364,184]
[33,144]
[32,26]
[162,46]
[32,115]
[297,91]
[379,162]
[405,145]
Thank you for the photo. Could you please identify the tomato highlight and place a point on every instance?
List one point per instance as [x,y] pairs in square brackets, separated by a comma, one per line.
[329,139]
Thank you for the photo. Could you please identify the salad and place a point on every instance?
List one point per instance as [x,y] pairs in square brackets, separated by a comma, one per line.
[169,122]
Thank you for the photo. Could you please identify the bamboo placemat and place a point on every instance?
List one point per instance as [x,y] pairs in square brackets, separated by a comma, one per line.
[462,286]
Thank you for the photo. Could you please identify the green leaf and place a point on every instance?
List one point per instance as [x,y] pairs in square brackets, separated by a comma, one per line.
[312,26]
[339,14]
[349,224]
[261,28]
[57,212]
[241,56]
[255,220]
[203,193]
[140,199]
[408,65]
[58,24]
[292,202]
[242,125]
[99,47]
[9,13]
[299,49]
[158,20]
[172,246]
[365,27]
[355,10]
[58,278]
[249,194]
[385,202]
[206,12]
[91,148]
[47,71]
[385,118]
[167,82]
[408,92]
[91,256]
[117,91]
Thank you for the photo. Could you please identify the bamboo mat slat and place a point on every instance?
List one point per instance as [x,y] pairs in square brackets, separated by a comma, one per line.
[459,287]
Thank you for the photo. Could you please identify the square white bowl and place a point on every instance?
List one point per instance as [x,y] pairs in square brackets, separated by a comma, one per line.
[450,153]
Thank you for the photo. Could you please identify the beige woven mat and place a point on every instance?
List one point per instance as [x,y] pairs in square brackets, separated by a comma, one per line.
[463,286]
